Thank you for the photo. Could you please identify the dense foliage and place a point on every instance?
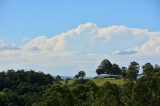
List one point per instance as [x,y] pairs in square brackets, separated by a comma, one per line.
[30,88]
[22,87]
[80,75]
[106,67]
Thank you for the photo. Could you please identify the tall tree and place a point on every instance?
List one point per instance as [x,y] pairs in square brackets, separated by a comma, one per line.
[124,70]
[58,78]
[147,68]
[133,71]
[81,74]
[100,71]
[116,70]
[76,76]
[157,67]
[106,65]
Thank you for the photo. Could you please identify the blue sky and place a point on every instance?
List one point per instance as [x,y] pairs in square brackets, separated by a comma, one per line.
[23,22]
[38,17]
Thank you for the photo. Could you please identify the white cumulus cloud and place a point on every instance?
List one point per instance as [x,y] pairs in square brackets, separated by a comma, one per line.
[151,47]
[80,46]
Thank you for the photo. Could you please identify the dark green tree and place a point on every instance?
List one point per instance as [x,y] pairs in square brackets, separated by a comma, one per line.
[147,68]
[58,95]
[106,65]
[58,78]
[146,91]
[81,74]
[76,76]
[124,71]
[100,71]
[108,95]
[116,70]
[84,92]
[133,71]
[157,68]
[127,92]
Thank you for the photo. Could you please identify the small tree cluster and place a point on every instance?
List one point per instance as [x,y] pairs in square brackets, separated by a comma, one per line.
[80,75]
[106,67]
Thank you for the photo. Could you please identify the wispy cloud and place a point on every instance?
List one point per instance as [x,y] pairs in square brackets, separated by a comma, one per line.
[4,47]
[126,52]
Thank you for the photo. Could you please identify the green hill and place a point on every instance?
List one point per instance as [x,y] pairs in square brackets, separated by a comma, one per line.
[101,81]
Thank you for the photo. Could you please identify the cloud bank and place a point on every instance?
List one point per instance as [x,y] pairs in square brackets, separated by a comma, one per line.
[79,47]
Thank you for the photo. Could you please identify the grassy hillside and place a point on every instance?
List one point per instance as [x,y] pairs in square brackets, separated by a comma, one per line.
[101,81]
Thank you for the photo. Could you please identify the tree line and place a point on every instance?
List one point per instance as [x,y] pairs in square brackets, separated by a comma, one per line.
[131,72]
[30,88]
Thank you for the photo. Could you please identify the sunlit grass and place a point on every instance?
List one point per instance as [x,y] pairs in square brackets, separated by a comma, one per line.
[101,81]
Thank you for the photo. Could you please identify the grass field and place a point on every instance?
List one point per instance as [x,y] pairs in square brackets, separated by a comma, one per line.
[101,81]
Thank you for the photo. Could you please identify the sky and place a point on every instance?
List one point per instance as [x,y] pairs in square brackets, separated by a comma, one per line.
[66,36]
